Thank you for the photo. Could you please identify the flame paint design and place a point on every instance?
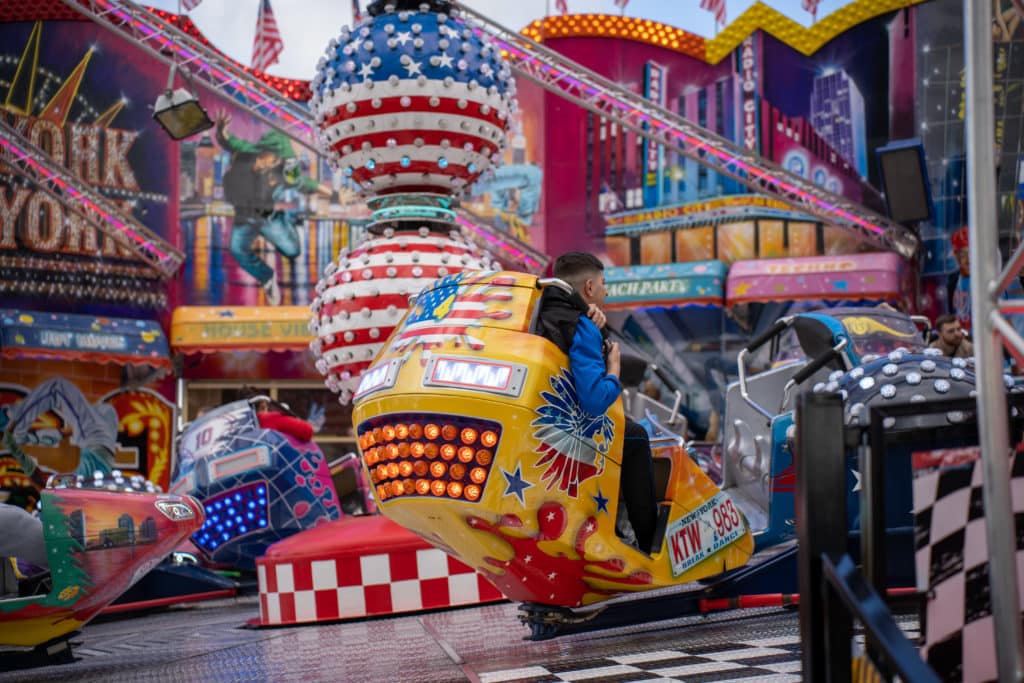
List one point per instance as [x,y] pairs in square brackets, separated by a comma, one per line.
[535,574]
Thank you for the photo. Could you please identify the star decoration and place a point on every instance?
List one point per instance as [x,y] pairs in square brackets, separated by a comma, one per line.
[743,287]
[414,68]
[450,32]
[601,502]
[515,485]
[366,70]
[445,60]
[403,37]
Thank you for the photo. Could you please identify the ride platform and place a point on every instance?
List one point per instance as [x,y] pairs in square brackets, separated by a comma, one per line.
[482,644]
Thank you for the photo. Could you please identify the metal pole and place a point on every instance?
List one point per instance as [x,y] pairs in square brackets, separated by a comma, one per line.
[826,626]
[985,268]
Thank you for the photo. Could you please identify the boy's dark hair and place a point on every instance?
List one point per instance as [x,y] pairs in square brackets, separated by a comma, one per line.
[574,266]
[944,319]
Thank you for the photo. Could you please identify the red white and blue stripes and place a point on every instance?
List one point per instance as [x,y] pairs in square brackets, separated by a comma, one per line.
[364,296]
[413,102]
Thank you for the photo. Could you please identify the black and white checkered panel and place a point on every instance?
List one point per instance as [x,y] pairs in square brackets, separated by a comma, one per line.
[952,564]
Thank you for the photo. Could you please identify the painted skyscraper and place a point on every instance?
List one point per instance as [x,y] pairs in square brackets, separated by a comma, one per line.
[837,113]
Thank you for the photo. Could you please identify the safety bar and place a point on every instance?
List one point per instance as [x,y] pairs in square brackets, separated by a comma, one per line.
[759,341]
[557,282]
[835,353]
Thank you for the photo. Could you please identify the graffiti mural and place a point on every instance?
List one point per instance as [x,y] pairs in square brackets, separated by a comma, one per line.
[261,215]
[53,427]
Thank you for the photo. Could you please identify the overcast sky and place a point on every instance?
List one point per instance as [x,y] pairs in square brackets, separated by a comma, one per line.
[307,25]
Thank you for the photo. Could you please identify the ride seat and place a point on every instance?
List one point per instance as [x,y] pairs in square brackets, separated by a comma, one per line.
[662,476]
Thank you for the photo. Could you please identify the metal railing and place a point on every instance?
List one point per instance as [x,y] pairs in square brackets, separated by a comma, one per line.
[833,590]
[991,333]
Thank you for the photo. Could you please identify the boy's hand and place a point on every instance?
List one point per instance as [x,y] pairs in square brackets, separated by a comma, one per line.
[614,361]
[597,316]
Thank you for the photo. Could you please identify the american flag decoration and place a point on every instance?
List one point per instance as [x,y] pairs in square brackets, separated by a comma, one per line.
[190,5]
[413,101]
[365,294]
[716,7]
[357,14]
[812,7]
[621,4]
[267,45]
[412,107]
[562,6]
[452,307]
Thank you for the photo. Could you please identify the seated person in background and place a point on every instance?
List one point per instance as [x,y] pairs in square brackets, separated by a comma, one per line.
[280,418]
[951,338]
[574,325]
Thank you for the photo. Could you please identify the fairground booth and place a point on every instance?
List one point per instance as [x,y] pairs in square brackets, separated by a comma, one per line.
[83,375]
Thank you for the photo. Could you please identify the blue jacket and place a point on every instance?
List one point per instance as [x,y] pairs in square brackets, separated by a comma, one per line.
[597,389]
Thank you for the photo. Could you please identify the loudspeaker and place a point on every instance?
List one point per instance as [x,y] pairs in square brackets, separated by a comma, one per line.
[908,194]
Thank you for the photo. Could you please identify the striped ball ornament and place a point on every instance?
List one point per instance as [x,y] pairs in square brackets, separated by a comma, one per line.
[366,292]
[413,101]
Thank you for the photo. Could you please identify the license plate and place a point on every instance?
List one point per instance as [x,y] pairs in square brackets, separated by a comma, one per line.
[700,534]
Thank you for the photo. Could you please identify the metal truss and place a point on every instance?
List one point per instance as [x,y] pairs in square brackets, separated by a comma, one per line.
[593,92]
[539,64]
[226,78]
[99,212]
[501,245]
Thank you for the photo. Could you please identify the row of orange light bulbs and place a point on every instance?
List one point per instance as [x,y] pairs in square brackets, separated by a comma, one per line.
[453,489]
[420,468]
[431,451]
[448,432]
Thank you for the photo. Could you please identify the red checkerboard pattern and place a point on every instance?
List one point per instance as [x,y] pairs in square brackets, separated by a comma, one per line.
[309,590]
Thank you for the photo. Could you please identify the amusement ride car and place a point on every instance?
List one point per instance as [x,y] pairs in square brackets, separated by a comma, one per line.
[470,429]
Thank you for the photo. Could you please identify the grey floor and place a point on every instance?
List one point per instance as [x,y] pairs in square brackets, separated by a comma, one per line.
[210,642]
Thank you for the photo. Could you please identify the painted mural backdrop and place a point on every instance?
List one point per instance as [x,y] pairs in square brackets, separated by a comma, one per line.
[940,121]
[820,116]
[261,214]
[511,197]
[83,95]
[141,419]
